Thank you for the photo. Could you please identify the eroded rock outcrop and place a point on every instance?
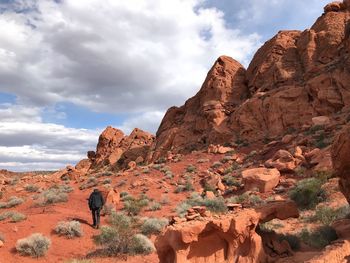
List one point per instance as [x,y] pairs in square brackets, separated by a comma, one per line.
[341,160]
[226,238]
[293,78]
[114,147]
[230,238]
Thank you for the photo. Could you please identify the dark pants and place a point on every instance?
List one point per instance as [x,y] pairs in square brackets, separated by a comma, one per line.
[96,216]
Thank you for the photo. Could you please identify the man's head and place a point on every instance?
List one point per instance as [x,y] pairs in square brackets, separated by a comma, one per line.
[96,190]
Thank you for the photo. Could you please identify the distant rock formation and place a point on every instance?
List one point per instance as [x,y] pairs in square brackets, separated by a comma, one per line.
[115,148]
[293,78]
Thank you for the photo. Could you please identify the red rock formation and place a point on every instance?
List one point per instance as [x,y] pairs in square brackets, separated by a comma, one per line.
[204,118]
[114,147]
[292,78]
[230,238]
[341,163]
[226,238]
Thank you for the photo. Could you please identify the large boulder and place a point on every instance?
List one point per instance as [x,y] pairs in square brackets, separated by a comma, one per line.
[263,179]
[341,160]
[283,161]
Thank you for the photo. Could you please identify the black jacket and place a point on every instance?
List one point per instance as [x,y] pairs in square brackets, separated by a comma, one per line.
[96,200]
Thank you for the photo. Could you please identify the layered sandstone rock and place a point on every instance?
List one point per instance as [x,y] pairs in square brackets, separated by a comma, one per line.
[341,161]
[204,118]
[114,147]
[230,238]
[295,79]
[227,238]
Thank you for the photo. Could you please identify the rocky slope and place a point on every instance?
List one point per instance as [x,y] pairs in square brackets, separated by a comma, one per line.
[292,78]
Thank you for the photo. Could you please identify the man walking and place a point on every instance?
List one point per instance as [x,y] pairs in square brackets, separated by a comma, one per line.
[96,203]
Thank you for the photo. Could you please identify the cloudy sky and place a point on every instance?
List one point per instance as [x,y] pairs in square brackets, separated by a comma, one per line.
[69,68]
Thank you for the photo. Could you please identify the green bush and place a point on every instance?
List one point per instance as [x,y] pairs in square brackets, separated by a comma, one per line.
[153,225]
[13,216]
[191,169]
[91,182]
[293,240]
[327,215]
[52,196]
[154,206]
[216,165]
[229,180]
[31,188]
[35,245]
[140,244]
[11,202]
[134,206]
[216,205]
[69,229]
[320,237]
[308,193]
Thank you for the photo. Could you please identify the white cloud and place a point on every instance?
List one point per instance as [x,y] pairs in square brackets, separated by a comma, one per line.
[108,55]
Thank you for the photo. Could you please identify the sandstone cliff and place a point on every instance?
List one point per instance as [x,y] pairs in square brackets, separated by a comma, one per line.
[292,78]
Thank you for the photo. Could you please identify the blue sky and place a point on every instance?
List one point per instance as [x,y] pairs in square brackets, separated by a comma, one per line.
[69,71]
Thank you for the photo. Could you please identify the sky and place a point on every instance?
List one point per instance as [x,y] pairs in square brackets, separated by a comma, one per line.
[69,68]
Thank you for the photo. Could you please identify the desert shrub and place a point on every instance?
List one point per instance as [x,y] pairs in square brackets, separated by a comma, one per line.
[314,129]
[226,159]
[202,160]
[181,209]
[293,240]
[122,194]
[320,237]
[107,181]
[69,229]
[31,188]
[63,188]
[153,225]
[154,206]
[91,182]
[169,174]
[107,209]
[191,168]
[13,216]
[52,196]
[35,245]
[187,187]
[208,187]
[140,244]
[116,238]
[11,202]
[216,205]
[308,193]
[134,206]
[271,225]
[216,165]
[327,215]
[231,181]
[238,199]
[146,171]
